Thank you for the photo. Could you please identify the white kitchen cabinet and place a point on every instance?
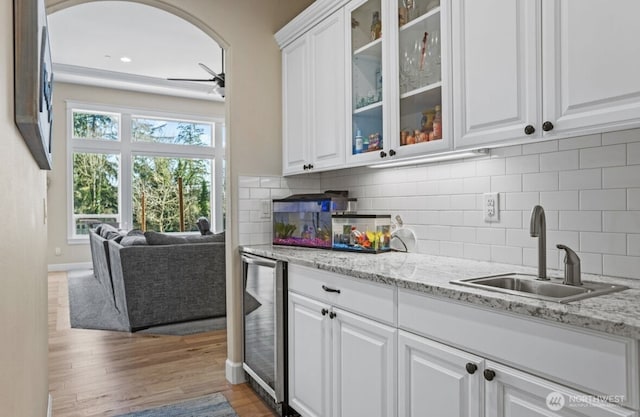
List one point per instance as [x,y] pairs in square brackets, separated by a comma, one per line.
[313,98]
[341,364]
[435,380]
[527,69]
[397,81]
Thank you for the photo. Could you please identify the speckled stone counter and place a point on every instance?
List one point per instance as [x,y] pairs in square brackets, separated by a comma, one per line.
[616,313]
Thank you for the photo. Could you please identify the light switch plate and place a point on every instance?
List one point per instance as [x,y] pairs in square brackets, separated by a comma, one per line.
[491,207]
[265,211]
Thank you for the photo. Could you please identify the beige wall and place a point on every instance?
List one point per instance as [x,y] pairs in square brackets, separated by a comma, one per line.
[58,178]
[253,118]
[23,273]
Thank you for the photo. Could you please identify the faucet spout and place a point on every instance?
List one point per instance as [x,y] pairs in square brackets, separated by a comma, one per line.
[537,228]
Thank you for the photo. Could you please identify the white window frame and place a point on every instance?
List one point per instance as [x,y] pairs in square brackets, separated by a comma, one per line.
[127,149]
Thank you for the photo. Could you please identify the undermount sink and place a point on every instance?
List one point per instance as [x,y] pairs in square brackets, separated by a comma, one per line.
[529,286]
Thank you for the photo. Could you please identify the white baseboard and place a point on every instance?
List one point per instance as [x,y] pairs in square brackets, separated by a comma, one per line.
[234,372]
[69,267]
[50,407]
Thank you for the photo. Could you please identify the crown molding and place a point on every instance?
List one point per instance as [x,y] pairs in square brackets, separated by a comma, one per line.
[73,74]
[308,18]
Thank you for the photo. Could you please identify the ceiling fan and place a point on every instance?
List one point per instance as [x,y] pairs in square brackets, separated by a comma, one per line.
[217,78]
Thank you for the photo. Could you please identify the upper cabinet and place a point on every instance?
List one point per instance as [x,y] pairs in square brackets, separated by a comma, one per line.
[527,69]
[397,79]
[313,98]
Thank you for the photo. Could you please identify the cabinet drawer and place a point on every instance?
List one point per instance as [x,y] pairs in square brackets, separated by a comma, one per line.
[596,363]
[358,296]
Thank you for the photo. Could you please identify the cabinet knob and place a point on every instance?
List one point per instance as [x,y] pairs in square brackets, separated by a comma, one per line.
[529,130]
[547,126]
[383,154]
[324,311]
[471,368]
[332,315]
[305,167]
[310,166]
[489,374]
[392,152]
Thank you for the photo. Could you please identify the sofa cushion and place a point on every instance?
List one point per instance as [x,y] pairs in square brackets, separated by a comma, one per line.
[156,238]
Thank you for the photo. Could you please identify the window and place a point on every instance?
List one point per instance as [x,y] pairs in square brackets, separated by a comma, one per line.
[138,169]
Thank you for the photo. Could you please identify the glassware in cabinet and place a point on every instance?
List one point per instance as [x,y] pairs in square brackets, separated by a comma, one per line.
[420,71]
[366,77]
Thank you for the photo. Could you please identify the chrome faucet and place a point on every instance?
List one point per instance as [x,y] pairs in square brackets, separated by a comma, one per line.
[537,228]
[571,266]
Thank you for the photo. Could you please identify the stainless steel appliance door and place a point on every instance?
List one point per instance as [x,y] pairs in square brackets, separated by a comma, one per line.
[264,312]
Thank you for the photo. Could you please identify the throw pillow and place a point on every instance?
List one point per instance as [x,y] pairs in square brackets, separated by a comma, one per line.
[134,240]
[135,232]
[204,226]
[106,229]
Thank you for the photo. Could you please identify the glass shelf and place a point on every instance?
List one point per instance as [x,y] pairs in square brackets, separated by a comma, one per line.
[373,49]
[368,108]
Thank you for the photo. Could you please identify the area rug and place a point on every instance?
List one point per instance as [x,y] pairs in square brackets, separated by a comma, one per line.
[90,309]
[214,405]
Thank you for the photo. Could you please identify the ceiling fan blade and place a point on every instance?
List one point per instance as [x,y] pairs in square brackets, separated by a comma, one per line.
[209,70]
[191,79]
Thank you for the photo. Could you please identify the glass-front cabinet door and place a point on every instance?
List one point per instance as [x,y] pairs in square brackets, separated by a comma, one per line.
[365,60]
[423,81]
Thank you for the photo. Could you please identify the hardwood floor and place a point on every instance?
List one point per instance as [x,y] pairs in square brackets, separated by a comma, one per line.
[104,373]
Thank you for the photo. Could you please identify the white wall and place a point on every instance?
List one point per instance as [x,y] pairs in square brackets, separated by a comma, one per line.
[58,178]
[23,273]
[589,187]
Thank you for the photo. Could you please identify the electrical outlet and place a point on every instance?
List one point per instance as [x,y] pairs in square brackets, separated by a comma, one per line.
[491,207]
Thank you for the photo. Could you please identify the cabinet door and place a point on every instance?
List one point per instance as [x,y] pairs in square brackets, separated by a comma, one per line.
[496,70]
[433,380]
[513,393]
[364,353]
[295,106]
[327,115]
[591,65]
[309,356]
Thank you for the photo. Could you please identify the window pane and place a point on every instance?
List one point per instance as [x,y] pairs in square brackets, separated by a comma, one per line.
[156,179]
[90,125]
[171,131]
[95,188]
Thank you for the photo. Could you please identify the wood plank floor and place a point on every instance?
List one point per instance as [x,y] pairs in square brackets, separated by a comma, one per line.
[104,373]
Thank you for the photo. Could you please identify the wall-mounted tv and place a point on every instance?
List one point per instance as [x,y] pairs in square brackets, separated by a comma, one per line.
[33,78]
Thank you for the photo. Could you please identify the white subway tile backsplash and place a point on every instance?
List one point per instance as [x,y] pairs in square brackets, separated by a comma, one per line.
[507,151]
[453,249]
[590,263]
[463,169]
[522,164]
[437,202]
[510,220]
[478,252]
[559,200]
[615,199]
[477,185]
[560,161]
[621,266]
[506,183]
[506,254]
[452,218]
[452,186]
[428,247]
[621,177]
[438,172]
[633,244]
[521,238]
[621,221]
[463,234]
[622,136]
[580,142]
[581,179]
[260,193]
[605,156]
[633,153]
[568,238]
[474,218]
[587,221]
[491,236]
[542,181]
[492,166]
[270,182]
[521,201]
[530,258]
[540,147]
[427,187]
[610,243]
[463,202]
[436,232]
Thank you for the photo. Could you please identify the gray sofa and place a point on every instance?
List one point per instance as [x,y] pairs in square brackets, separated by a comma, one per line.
[161,279]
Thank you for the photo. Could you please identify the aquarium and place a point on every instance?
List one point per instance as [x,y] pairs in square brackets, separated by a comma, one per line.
[369,233]
[305,219]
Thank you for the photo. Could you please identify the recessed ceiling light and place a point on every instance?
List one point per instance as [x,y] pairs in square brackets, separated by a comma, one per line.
[125,59]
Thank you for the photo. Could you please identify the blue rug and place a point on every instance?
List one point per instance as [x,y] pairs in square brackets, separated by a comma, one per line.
[214,405]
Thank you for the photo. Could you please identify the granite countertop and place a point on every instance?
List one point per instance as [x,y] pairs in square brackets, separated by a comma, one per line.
[617,313]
